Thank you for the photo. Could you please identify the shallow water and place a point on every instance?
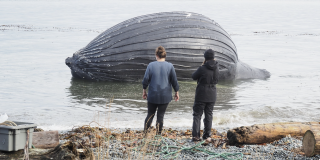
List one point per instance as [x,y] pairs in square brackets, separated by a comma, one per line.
[36,86]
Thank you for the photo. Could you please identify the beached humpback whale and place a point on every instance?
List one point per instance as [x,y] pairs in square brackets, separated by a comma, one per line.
[123,52]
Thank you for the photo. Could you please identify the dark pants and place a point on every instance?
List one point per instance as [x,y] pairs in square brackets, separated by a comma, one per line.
[152,108]
[198,109]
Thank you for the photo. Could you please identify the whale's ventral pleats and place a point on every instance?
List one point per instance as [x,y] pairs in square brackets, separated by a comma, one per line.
[122,52]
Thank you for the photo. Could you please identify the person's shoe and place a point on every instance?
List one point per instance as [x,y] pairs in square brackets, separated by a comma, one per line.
[145,133]
[158,134]
[207,141]
[195,139]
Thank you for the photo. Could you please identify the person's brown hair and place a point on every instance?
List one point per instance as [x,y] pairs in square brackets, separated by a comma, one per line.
[161,52]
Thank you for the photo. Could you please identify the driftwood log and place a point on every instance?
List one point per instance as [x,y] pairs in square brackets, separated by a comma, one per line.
[65,151]
[311,142]
[45,139]
[265,133]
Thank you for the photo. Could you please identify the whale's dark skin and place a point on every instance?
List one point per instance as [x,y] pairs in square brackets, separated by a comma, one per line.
[123,52]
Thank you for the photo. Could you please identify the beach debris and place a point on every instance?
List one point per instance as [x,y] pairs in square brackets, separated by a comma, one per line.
[38,130]
[224,146]
[3,117]
[4,120]
[66,151]
[92,137]
[134,144]
[8,123]
[266,133]
[45,139]
[311,142]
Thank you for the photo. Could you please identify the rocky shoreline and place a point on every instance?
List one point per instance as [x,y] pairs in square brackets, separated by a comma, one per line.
[282,149]
[94,143]
[176,144]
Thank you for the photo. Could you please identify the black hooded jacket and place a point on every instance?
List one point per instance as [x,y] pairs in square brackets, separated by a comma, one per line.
[207,76]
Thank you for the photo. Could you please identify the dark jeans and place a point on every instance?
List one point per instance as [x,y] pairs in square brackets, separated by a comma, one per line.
[198,109]
[152,108]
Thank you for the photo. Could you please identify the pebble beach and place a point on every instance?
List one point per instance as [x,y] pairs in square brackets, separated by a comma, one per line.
[177,144]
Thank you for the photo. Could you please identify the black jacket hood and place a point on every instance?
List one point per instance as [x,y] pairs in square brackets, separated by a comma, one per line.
[211,64]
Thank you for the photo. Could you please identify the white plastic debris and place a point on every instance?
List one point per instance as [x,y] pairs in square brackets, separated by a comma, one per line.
[3,117]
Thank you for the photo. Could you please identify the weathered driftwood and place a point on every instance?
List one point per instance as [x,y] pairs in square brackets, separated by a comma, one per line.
[265,133]
[66,151]
[311,142]
[45,139]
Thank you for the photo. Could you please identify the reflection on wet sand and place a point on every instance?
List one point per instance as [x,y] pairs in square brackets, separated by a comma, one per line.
[127,96]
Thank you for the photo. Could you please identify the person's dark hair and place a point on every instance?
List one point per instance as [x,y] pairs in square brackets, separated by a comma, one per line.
[209,54]
[161,52]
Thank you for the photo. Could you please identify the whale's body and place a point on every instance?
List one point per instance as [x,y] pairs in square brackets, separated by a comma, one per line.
[123,52]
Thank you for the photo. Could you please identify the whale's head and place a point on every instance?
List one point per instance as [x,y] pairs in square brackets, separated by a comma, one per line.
[76,64]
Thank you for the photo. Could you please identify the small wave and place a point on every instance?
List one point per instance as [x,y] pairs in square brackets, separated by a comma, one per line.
[259,115]
[222,120]
[132,100]
[31,28]
[300,76]
[259,33]
[266,32]
[292,76]
[60,128]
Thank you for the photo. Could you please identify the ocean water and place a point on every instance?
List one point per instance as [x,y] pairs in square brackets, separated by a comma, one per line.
[36,85]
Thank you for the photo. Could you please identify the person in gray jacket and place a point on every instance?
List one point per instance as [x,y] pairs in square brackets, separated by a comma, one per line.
[160,76]
[207,76]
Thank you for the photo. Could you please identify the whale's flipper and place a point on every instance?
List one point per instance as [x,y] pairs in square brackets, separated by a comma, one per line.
[245,71]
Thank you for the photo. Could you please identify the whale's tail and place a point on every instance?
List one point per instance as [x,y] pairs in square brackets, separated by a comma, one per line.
[245,71]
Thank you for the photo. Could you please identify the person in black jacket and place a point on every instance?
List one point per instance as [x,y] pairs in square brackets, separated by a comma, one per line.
[207,76]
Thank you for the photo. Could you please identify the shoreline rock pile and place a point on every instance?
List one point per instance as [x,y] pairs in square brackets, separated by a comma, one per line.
[133,144]
[102,143]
